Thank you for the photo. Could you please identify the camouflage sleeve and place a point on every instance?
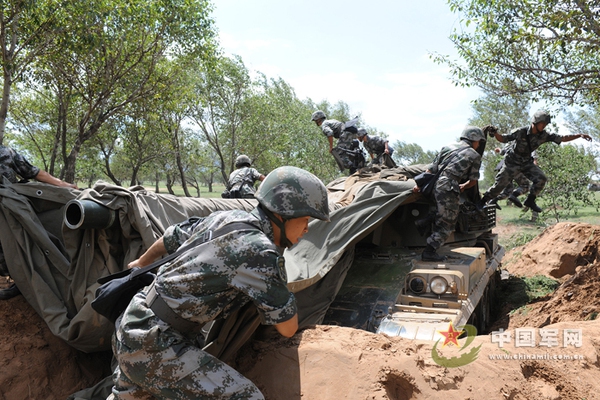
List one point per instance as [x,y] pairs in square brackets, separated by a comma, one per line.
[23,167]
[255,175]
[177,234]
[509,137]
[552,137]
[474,172]
[260,278]
[327,131]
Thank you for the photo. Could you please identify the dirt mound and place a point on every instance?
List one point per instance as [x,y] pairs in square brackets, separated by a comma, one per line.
[344,363]
[35,364]
[557,252]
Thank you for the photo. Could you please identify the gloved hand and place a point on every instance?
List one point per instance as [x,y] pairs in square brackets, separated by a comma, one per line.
[490,130]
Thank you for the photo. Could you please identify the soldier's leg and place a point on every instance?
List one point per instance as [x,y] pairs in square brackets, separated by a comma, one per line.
[446,195]
[537,177]
[503,179]
[179,372]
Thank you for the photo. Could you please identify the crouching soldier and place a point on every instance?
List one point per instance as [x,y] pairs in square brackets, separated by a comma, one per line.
[378,148]
[156,358]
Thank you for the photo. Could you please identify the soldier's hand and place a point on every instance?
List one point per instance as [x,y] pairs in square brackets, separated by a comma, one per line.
[586,137]
[490,130]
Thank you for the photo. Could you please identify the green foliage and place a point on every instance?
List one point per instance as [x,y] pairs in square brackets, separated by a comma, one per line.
[411,154]
[549,49]
[517,292]
[568,168]
[520,239]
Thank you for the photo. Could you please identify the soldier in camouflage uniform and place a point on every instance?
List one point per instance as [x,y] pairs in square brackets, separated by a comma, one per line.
[518,158]
[156,360]
[461,172]
[241,181]
[347,146]
[12,166]
[376,146]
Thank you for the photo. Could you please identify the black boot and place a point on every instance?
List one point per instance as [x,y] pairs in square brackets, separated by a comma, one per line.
[494,202]
[430,254]
[530,202]
[424,224]
[515,200]
[481,203]
[9,292]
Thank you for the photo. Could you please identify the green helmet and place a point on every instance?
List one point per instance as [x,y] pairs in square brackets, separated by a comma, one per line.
[541,116]
[241,160]
[317,115]
[292,193]
[472,134]
[361,132]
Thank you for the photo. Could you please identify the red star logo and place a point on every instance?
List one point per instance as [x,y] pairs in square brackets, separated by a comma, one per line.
[451,335]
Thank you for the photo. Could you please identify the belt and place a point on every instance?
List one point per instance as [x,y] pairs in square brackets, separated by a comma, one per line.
[162,310]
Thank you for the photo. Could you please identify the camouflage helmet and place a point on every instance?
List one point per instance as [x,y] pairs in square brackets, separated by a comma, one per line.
[241,160]
[541,116]
[472,134]
[361,132]
[317,115]
[292,193]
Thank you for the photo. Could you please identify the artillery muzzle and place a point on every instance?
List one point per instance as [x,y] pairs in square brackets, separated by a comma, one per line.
[87,214]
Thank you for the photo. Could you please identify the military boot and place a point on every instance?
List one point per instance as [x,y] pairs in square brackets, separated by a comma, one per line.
[494,202]
[481,203]
[515,200]
[430,254]
[9,292]
[530,202]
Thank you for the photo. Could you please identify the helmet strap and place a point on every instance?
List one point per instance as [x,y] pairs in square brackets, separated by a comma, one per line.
[283,240]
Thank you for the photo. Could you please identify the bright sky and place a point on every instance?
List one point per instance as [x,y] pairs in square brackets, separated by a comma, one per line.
[372,55]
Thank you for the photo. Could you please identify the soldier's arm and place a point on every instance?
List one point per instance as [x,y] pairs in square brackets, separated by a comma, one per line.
[288,328]
[155,251]
[330,138]
[568,138]
[45,177]
[467,185]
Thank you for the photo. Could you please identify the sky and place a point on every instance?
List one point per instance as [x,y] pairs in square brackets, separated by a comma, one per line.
[372,55]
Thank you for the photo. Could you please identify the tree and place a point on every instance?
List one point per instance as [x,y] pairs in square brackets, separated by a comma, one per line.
[111,57]
[568,168]
[411,154]
[548,49]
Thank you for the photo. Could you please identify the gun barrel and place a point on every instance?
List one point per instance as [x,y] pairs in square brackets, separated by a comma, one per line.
[87,214]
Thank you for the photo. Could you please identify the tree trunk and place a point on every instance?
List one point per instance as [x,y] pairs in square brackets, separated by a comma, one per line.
[156,187]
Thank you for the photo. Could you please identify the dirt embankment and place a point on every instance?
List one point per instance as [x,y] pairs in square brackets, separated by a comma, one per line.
[342,363]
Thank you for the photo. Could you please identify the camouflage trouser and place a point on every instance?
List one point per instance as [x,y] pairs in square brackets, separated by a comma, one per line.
[446,193]
[179,372]
[523,187]
[510,170]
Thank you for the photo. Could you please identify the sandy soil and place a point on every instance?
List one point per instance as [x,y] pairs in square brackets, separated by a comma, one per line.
[340,363]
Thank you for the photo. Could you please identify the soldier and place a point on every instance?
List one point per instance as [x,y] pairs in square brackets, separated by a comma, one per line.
[241,181]
[347,150]
[376,147]
[461,172]
[156,359]
[12,166]
[518,158]
[510,192]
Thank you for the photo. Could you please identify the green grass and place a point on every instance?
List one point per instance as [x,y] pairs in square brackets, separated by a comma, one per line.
[518,292]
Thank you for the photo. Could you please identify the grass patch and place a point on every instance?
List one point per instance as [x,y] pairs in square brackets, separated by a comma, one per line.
[520,291]
[520,239]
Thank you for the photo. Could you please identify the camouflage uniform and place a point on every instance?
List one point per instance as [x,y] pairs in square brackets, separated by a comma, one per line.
[13,164]
[205,282]
[376,145]
[243,179]
[332,127]
[519,160]
[464,166]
